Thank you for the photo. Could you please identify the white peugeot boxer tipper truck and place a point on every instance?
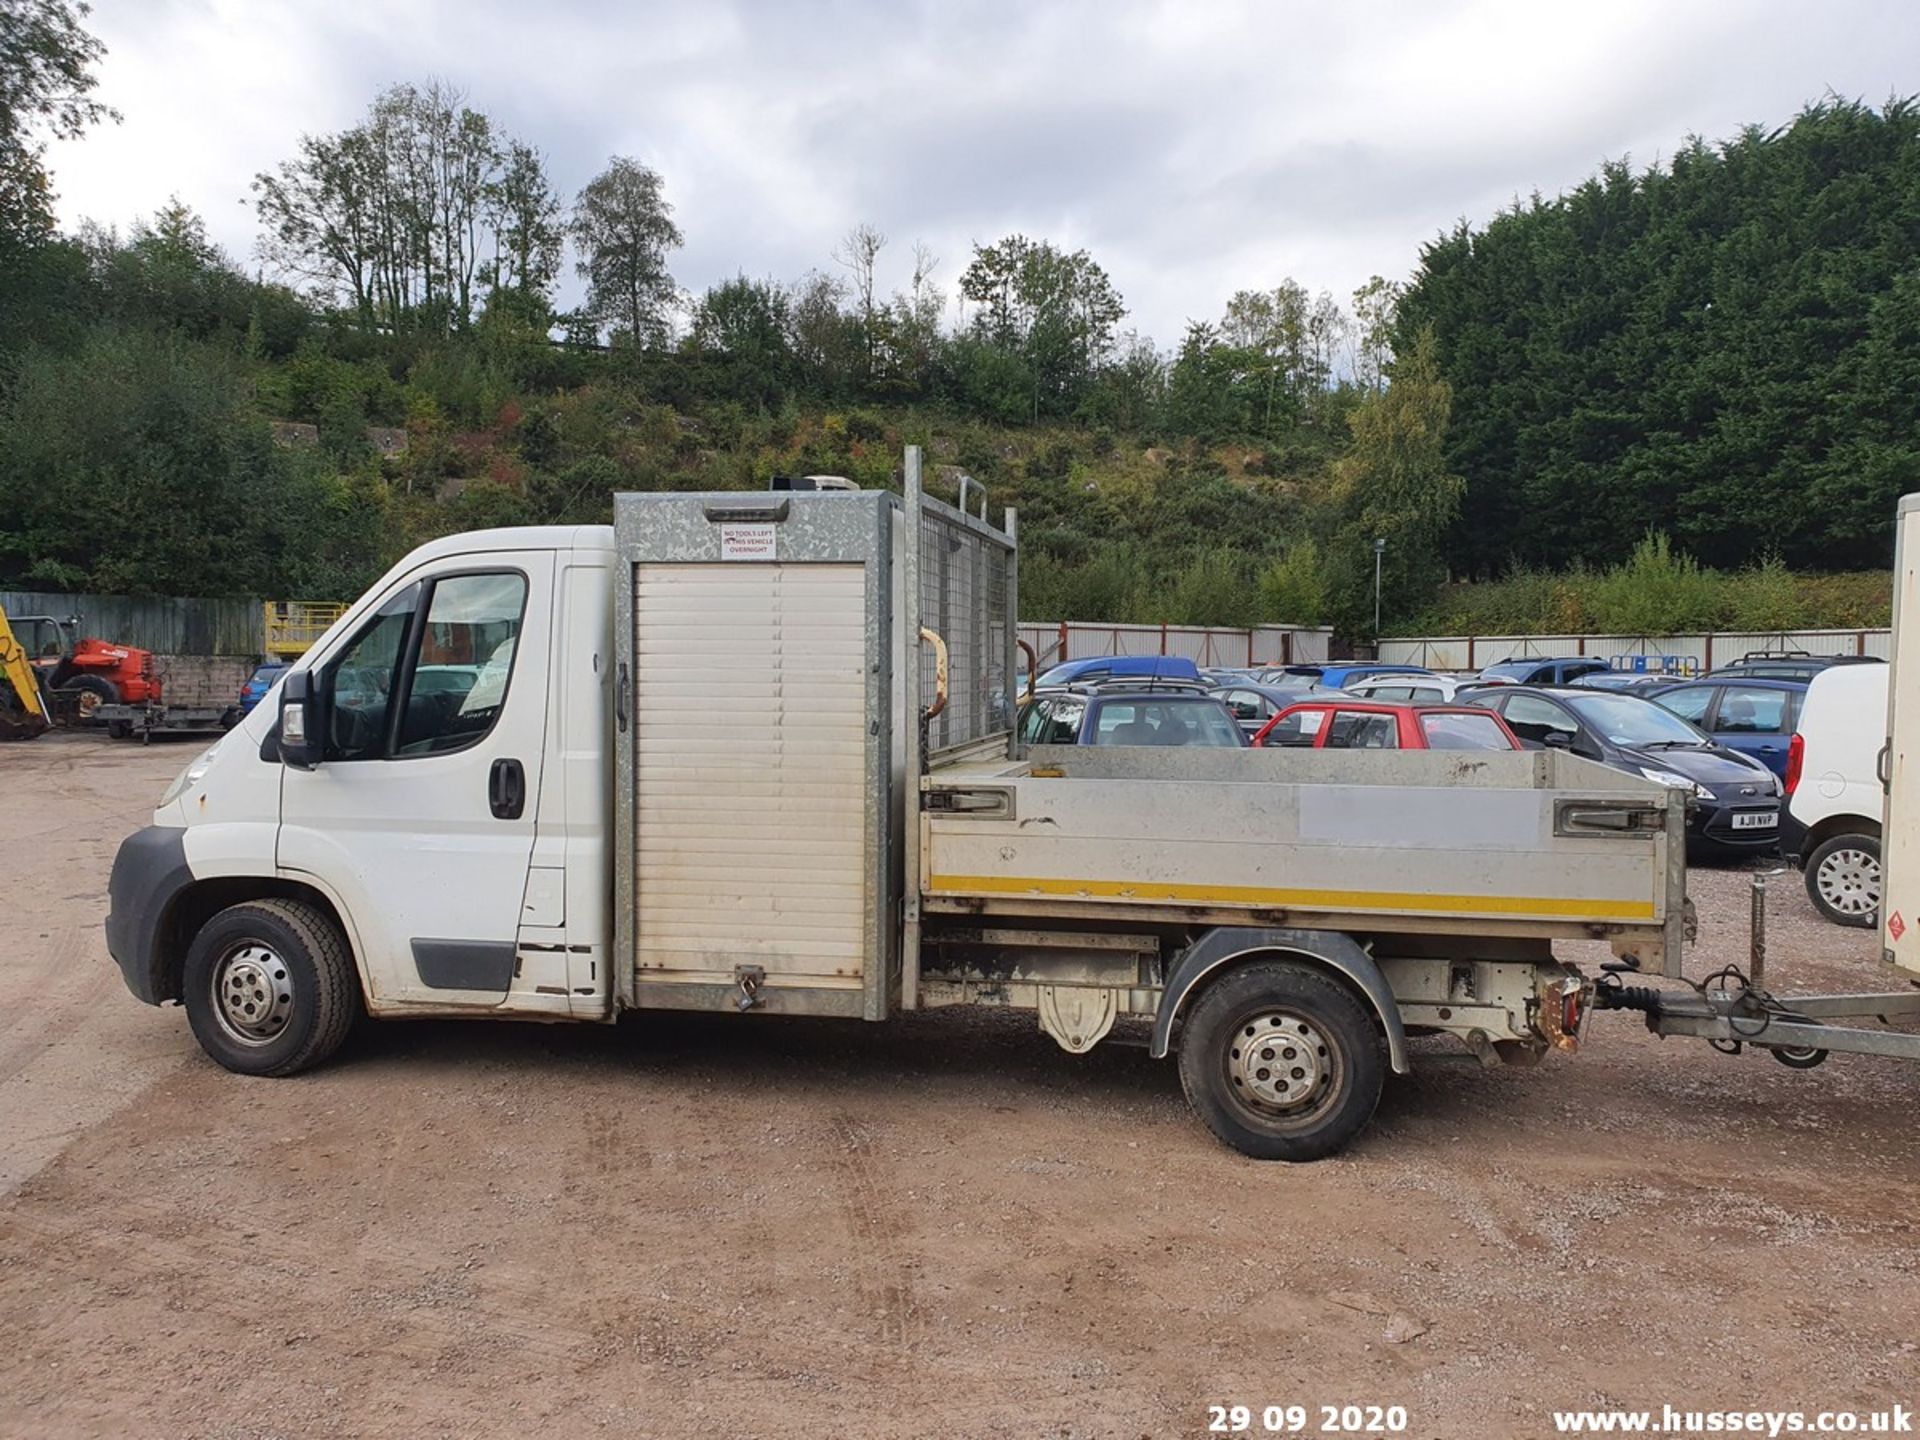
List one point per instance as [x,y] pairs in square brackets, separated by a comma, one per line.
[755,754]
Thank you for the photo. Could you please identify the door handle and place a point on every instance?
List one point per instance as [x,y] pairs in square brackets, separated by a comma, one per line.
[507,789]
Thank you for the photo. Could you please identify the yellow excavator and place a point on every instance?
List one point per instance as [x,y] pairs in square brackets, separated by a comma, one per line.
[23,710]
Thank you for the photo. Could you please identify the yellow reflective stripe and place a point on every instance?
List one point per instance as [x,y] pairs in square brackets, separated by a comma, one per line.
[1550,906]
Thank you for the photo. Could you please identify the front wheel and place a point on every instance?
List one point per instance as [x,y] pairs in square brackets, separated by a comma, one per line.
[87,693]
[1281,1061]
[1843,880]
[269,987]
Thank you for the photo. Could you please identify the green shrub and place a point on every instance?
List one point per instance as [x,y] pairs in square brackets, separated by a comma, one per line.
[1293,589]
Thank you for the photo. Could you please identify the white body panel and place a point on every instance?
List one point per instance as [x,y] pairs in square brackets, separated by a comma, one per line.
[750,772]
[1843,725]
[1900,845]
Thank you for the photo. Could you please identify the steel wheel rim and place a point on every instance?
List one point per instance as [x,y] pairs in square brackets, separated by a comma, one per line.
[1849,881]
[252,991]
[1282,1068]
[89,704]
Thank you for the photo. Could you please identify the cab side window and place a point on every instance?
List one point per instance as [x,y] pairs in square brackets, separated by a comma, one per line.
[364,678]
[413,684]
[463,662]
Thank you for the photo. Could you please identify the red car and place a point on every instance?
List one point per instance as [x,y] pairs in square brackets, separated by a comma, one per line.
[1375,725]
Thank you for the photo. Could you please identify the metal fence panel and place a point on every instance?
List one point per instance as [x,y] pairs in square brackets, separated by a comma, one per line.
[1698,651]
[164,624]
[1213,645]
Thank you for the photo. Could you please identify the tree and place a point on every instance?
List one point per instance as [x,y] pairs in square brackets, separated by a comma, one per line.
[624,228]
[1394,484]
[1695,348]
[858,254]
[1056,311]
[412,212]
[46,79]
[747,322]
[523,212]
[1374,306]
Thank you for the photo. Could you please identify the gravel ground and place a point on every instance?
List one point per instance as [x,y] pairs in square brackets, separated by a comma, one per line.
[689,1226]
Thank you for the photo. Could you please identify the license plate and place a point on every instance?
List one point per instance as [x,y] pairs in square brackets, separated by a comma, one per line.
[1755,820]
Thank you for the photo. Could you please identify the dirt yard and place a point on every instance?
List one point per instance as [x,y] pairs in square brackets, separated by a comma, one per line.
[692,1226]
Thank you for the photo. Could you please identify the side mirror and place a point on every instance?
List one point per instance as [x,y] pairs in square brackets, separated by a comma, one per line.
[1557,740]
[303,720]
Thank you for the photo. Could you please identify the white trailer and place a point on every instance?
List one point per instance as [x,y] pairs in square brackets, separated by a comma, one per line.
[754,754]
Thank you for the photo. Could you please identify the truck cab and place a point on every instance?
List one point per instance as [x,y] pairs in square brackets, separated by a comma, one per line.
[449,814]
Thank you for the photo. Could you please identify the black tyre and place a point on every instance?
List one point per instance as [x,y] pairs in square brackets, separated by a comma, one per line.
[1843,879]
[1282,1061]
[87,693]
[270,987]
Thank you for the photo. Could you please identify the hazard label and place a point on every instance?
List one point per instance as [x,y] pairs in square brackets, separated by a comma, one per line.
[1896,927]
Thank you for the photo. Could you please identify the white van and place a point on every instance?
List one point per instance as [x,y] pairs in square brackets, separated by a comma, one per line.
[1831,828]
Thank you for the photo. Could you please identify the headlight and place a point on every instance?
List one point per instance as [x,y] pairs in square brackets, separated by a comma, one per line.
[1678,782]
[189,777]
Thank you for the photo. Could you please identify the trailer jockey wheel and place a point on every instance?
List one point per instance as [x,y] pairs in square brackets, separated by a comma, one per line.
[1796,1057]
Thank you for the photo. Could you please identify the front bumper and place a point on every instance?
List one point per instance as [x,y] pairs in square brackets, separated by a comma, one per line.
[149,872]
[1713,823]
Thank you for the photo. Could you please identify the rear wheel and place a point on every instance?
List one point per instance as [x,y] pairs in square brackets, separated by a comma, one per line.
[269,987]
[1281,1061]
[1843,880]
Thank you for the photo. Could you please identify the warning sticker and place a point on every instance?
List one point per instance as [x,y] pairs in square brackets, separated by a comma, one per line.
[1896,927]
[746,542]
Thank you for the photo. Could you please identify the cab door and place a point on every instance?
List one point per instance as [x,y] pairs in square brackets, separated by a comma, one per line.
[419,819]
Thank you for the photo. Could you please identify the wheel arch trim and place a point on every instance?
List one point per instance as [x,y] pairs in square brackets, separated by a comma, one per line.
[1226,947]
[199,901]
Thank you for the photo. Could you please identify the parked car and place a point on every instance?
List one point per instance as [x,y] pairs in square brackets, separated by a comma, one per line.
[1755,717]
[260,682]
[1254,705]
[1416,689]
[1633,682]
[1835,802]
[1134,667]
[1339,674]
[1377,725]
[1125,717]
[1786,665]
[1738,798]
[1542,670]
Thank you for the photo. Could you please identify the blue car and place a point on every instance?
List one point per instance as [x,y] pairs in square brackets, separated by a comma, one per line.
[1542,670]
[1754,716]
[1109,667]
[261,681]
[1337,675]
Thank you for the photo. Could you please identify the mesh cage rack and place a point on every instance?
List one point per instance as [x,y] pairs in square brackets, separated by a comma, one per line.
[967,590]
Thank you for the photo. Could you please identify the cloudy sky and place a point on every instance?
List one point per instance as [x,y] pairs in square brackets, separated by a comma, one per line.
[1194,148]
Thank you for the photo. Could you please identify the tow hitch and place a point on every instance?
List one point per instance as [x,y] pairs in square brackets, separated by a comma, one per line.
[1731,1009]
